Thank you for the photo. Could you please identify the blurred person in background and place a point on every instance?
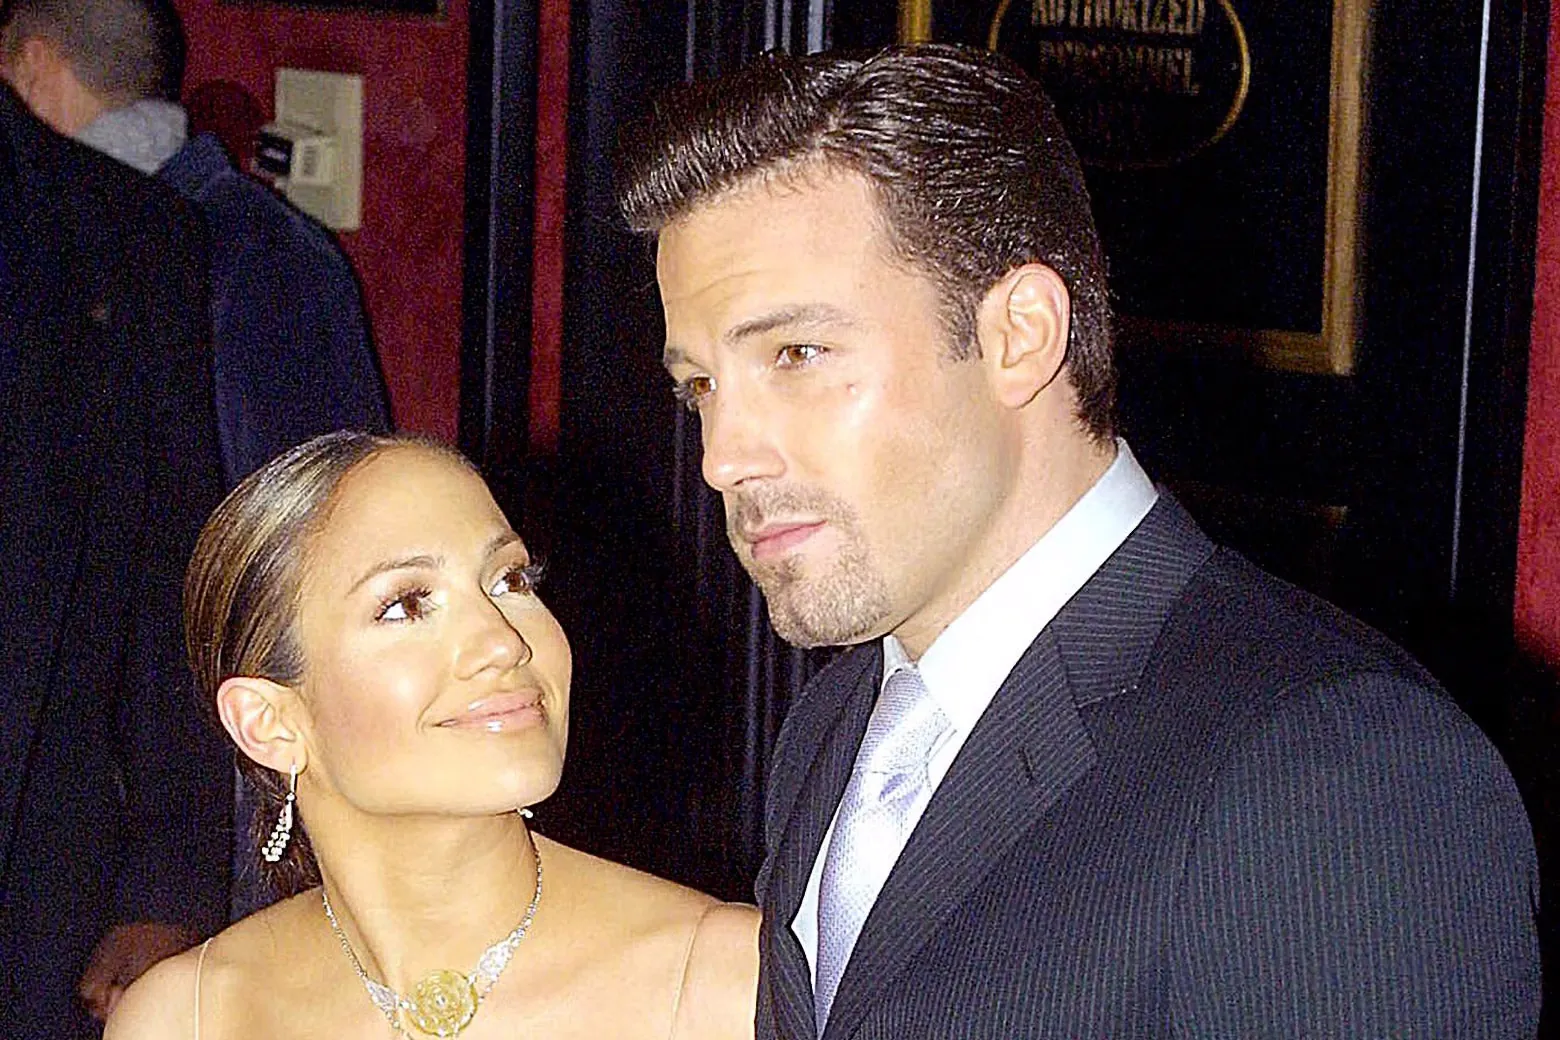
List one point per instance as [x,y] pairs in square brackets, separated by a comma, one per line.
[292,353]
[115,804]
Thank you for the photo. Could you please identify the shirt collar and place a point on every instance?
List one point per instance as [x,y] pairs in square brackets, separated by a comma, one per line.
[968,661]
[143,134]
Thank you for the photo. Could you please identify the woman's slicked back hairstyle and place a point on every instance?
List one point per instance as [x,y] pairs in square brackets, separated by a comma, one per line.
[241,597]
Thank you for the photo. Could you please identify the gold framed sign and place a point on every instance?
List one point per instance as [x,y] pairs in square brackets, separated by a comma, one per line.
[1221,142]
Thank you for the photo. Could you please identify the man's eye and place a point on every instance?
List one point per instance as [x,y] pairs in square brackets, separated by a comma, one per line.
[406,606]
[520,579]
[795,355]
[693,391]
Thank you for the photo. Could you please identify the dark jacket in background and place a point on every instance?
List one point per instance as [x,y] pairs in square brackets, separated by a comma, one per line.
[1203,804]
[115,797]
[292,352]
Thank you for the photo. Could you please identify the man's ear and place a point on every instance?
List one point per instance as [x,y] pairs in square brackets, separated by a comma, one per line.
[46,82]
[260,716]
[1022,325]
[30,66]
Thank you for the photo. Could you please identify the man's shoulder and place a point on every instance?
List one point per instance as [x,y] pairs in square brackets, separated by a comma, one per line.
[1252,659]
[1236,612]
[71,187]
[242,213]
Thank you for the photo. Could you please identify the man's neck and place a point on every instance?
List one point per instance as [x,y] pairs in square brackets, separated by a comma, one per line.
[1034,508]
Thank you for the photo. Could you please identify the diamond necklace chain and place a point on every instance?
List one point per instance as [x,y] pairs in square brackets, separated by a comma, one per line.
[443,1001]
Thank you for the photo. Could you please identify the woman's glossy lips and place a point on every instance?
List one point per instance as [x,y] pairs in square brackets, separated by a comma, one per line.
[501,713]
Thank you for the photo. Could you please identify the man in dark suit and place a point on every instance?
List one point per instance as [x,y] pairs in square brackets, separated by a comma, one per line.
[115,801]
[1085,774]
[291,353]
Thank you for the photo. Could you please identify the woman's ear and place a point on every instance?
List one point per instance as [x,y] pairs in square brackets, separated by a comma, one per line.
[258,715]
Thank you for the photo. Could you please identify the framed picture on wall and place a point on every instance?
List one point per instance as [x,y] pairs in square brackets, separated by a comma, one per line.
[1221,144]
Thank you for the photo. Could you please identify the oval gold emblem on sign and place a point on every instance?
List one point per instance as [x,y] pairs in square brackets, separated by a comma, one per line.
[442,1003]
[1135,82]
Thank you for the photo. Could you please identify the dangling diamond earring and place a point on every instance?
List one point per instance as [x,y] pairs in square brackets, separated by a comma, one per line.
[281,834]
[525,813]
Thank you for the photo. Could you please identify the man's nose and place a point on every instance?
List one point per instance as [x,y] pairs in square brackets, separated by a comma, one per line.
[739,442]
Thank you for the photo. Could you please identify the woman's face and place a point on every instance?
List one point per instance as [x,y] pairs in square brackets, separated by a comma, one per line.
[435,681]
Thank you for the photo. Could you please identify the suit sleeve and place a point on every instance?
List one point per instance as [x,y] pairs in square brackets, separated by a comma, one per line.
[177,770]
[1364,868]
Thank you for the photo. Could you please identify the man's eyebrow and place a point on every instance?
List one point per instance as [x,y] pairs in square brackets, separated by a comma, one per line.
[801,315]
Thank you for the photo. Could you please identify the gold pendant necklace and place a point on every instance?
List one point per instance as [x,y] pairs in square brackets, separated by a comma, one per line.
[444,1001]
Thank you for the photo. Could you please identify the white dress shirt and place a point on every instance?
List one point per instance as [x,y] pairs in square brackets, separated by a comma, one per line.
[967,663]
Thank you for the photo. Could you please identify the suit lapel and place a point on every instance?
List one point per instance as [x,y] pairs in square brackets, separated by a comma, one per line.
[1109,629]
[831,722]
[1023,754]
[1027,750]
[1029,747]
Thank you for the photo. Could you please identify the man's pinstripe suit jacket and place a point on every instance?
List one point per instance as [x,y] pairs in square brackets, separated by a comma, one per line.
[1203,804]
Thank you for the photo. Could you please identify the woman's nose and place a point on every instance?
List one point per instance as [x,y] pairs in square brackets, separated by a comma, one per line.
[493,643]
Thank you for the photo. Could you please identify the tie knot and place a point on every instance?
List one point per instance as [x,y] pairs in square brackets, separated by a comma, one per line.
[904,727]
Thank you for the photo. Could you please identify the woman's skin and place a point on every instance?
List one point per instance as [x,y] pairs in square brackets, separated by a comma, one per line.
[434,702]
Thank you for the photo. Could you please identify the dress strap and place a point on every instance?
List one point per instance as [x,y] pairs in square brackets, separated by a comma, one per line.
[682,977]
[200,963]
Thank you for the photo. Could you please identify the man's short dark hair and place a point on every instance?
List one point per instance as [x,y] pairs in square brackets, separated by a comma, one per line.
[970,166]
[121,50]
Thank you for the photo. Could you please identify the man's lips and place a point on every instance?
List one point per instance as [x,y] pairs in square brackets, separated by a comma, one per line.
[500,713]
[773,540]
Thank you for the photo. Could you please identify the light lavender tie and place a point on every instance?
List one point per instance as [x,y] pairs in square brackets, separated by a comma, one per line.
[873,822]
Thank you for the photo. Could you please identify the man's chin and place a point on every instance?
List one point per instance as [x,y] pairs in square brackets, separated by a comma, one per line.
[817,621]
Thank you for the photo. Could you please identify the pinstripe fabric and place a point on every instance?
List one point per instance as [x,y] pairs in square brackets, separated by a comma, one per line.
[1203,804]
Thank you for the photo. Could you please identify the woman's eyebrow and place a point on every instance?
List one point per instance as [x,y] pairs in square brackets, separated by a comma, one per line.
[500,541]
[403,563]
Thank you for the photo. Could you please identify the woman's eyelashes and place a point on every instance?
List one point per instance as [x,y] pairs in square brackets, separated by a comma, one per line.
[409,604]
[415,602]
[520,579]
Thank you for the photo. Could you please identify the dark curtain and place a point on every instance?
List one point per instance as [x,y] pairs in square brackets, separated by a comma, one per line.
[680,684]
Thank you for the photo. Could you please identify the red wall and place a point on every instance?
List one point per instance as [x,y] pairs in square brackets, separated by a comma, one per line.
[408,252]
[1538,539]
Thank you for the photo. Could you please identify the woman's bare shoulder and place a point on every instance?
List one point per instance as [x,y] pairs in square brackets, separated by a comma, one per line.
[688,948]
[638,898]
[269,936]
[161,1004]
[720,983]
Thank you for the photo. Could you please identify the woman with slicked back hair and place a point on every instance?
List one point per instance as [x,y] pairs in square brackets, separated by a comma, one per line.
[364,624]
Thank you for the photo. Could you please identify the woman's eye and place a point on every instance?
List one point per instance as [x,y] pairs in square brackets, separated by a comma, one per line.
[795,355]
[519,579]
[693,391]
[406,606]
